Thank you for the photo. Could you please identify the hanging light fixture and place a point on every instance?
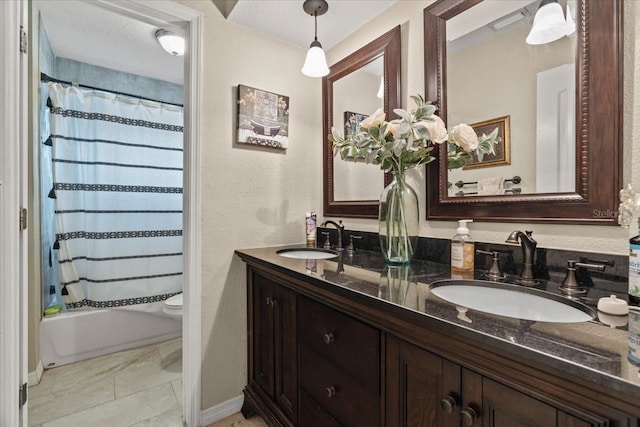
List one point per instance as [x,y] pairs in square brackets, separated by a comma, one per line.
[549,23]
[171,42]
[315,65]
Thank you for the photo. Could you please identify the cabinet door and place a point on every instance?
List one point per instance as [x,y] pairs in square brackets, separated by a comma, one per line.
[422,390]
[505,407]
[286,357]
[263,334]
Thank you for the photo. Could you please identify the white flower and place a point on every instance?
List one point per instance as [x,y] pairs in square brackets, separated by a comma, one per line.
[375,119]
[464,136]
[393,127]
[437,129]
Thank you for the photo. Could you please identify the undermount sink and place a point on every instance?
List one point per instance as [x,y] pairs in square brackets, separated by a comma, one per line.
[512,301]
[307,253]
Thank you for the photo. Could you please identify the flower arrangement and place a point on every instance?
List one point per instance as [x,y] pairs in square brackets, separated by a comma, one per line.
[407,142]
[401,144]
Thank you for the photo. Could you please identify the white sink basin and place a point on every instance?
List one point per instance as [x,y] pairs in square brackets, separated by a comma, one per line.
[307,253]
[512,301]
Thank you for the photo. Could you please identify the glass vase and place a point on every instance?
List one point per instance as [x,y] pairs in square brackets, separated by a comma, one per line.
[398,221]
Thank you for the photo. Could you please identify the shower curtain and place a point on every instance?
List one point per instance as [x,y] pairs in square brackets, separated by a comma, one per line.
[116,183]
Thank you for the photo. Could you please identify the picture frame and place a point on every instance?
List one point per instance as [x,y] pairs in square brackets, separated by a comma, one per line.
[263,118]
[352,123]
[502,154]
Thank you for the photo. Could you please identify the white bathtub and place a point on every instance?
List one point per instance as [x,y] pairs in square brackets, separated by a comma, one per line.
[74,336]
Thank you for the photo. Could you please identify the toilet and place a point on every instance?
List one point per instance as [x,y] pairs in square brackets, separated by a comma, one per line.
[173,306]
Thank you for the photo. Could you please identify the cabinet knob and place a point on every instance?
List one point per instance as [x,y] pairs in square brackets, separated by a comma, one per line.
[268,301]
[469,416]
[274,302]
[448,404]
[328,338]
[331,391]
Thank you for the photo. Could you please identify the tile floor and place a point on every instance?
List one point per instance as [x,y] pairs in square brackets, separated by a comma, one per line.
[139,387]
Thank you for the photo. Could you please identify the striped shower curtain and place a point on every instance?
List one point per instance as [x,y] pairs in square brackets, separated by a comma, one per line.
[117,190]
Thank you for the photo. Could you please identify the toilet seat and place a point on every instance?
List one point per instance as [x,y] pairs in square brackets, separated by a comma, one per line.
[173,305]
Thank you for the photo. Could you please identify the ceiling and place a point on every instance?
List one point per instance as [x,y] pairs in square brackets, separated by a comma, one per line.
[287,21]
[81,31]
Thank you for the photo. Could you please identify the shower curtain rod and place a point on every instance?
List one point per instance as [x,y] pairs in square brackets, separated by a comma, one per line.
[45,78]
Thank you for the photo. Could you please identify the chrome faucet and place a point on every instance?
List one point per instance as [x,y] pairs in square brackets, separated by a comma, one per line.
[528,252]
[340,229]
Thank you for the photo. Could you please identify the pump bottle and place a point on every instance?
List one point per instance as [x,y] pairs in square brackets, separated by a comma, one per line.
[462,248]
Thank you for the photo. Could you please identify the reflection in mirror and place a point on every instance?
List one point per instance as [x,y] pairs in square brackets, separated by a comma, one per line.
[358,85]
[355,97]
[495,79]
[585,187]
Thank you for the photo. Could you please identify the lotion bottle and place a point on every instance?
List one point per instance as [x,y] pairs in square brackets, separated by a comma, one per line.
[462,248]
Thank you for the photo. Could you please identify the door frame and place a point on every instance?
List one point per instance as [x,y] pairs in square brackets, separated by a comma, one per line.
[13,196]
[13,187]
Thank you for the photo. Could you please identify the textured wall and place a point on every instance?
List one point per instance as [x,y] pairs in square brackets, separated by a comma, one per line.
[602,239]
[251,196]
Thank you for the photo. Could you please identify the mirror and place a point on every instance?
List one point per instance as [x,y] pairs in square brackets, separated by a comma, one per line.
[357,86]
[558,160]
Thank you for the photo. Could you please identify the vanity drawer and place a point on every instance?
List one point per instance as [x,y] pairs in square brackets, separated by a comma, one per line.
[343,397]
[347,343]
[313,415]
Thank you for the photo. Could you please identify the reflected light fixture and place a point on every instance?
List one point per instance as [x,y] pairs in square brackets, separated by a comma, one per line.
[380,93]
[549,23]
[315,65]
[171,42]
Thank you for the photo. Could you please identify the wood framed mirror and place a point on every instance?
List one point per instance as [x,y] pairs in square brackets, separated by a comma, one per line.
[593,95]
[356,86]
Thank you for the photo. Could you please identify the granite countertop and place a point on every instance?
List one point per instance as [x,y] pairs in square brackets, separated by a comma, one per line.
[592,350]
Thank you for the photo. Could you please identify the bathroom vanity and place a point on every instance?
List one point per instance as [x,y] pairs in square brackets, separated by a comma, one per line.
[350,342]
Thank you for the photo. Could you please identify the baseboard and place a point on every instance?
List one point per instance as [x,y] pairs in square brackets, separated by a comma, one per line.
[221,410]
[36,376]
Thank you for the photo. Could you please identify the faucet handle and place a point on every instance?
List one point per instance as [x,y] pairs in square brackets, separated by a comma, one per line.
[570,284]
[351,249]
[327,240]
[494,272]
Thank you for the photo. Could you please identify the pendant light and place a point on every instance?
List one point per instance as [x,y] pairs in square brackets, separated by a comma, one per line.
[315,65]
[549,23]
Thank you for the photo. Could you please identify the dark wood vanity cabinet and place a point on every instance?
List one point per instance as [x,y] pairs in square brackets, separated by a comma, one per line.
[425,390]
[326,360]
[273,376]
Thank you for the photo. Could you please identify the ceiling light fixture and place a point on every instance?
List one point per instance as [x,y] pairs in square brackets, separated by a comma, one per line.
[171,42]
[315,65]
[549,23]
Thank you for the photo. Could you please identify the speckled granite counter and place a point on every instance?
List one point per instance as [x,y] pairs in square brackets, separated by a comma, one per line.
[591,350]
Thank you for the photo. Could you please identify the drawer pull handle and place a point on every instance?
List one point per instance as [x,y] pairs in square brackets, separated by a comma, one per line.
[448,404]
[328,338]
[331,391]
[469,416]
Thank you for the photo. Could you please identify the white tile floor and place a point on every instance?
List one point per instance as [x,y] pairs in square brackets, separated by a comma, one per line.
[134,388]
[139,387]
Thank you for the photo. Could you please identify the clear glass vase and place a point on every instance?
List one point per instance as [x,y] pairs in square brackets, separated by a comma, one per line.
[398,221]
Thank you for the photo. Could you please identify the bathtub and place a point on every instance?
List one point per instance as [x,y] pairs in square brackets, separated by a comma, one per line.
[74,336]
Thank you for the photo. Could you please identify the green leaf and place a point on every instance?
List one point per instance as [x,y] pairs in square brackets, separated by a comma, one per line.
[403,114]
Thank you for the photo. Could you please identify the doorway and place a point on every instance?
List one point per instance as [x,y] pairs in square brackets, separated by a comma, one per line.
[169,15]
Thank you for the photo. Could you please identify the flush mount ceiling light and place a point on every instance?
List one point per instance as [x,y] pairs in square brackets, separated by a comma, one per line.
[315,65]
[170,42]
[549,23]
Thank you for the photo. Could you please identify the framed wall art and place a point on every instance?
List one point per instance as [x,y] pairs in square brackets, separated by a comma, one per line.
[502,154]
[263,118]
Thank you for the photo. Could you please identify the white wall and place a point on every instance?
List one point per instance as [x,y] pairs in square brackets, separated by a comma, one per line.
[602,239]
[251,196]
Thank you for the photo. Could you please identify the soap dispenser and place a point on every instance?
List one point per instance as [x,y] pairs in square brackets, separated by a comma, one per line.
[462,248]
